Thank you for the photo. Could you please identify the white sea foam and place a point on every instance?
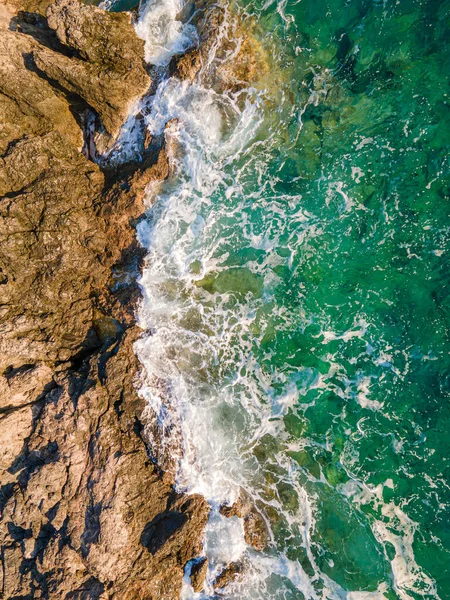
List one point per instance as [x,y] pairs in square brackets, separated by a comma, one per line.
[163,33]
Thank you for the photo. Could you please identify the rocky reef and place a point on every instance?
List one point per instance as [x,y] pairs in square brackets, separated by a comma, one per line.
[84,511]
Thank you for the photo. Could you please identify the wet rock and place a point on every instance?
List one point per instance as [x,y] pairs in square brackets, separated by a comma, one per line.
[198,574]
[229,54]
[231,573]
[255,528]
[186,66]
[239,59]
[237,509]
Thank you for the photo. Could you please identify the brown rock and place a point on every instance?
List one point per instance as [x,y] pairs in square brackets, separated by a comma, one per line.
[84,512]
[186,66]
[198,574]
[238,509]
[92,510]
[255,528]
[22,387]
[28,103]
[53,250]
[109,73]
[231,573]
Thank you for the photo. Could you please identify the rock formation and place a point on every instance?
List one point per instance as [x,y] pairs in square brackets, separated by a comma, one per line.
[105,66]
[255,528]
[84,511]
[198,574]
[229,56]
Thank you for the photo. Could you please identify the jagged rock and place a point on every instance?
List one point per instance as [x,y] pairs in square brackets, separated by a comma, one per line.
[198,574]
[237,509]
[255,528]
[83,502]
[186,66]
[21,387]
[230,573]
[31,6]
[84,513]
[28,103]
[108,70]
[59,238]
[52,250]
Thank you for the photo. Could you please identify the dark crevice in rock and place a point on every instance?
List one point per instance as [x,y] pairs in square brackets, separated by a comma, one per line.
[6,492]
[93,589]
[8,409]
[27,462]
[11,372]
[17,533]
[157,532]
[36,26]
[91,527]
[46,533]
[77,105]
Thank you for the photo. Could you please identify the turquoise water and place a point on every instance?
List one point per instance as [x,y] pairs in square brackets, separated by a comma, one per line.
[296,299]
[364,279]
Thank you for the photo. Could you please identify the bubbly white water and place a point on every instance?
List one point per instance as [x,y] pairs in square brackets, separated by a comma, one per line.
[163,34]
[209,402]
[187,335]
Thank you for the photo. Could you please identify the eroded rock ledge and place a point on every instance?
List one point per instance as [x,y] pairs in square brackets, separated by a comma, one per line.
[84,512]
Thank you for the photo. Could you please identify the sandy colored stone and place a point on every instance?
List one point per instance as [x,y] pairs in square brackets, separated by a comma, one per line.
[28,103]
[108,72]
[84,512]
[24,387]
[198,574]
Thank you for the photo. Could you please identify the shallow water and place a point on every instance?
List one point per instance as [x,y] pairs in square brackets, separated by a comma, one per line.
[296,298]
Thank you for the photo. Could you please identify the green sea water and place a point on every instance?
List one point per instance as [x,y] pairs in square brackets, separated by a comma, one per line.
[361,169]
[297,292]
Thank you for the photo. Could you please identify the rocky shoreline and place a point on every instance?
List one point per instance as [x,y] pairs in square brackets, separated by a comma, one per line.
[84,510]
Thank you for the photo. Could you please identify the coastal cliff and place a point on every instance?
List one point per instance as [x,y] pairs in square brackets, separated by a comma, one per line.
[85,513]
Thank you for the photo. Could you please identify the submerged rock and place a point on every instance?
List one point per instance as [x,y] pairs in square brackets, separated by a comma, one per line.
[230,573]
[228,58]
[232,56]
[255,529]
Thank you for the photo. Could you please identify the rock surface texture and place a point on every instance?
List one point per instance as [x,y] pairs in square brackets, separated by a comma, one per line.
[84,512]
[105,66]
[228,57]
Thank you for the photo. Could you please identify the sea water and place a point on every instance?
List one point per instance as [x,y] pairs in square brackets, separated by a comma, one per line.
[296,297]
